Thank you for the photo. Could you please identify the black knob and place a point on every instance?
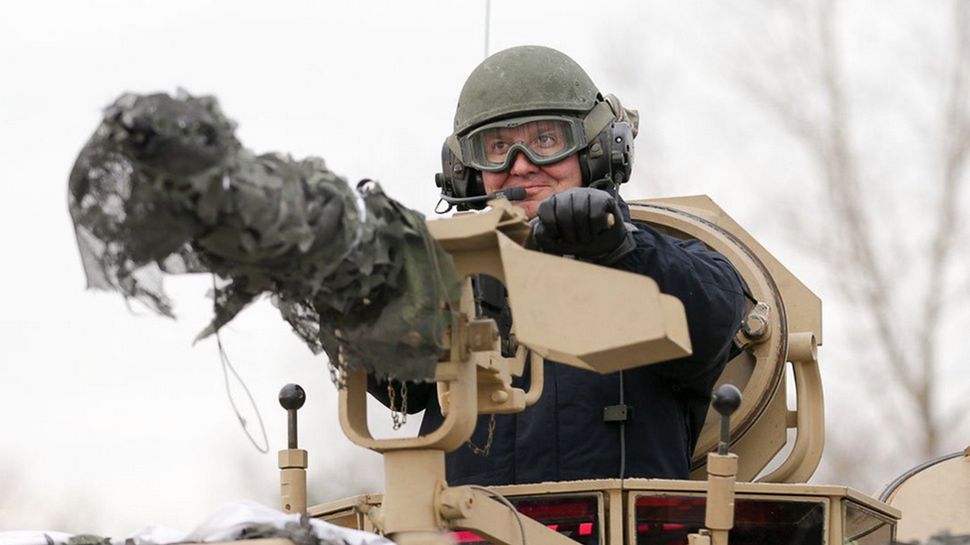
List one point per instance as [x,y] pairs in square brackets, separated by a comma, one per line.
[292,397]
[727,399]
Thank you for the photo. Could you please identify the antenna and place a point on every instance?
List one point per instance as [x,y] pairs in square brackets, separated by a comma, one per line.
[488,11]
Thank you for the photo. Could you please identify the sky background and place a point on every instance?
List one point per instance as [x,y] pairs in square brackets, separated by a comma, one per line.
[110,418]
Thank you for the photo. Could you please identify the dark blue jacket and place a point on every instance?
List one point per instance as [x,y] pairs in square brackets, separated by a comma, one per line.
[564,435]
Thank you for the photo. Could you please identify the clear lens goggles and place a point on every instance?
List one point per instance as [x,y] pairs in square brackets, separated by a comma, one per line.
[543,139]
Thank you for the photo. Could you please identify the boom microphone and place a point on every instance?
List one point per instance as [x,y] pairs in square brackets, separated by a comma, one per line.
[512,194]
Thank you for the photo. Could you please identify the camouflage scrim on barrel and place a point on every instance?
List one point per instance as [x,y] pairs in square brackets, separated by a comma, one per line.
[164,186]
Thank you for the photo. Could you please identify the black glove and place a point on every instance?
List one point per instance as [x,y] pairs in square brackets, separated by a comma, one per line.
[583,222]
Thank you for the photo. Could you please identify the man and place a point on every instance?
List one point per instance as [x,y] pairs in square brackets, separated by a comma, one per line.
[530,117]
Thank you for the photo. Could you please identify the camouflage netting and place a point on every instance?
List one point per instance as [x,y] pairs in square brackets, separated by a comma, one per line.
[164,186]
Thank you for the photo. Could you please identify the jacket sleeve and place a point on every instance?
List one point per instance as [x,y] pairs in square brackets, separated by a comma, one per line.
[713,297]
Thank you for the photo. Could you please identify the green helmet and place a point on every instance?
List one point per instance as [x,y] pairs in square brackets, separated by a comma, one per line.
[521,85]
[523,80]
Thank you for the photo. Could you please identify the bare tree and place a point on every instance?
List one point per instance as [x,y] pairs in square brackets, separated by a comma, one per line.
[901,276]
[828,138]
[867,245]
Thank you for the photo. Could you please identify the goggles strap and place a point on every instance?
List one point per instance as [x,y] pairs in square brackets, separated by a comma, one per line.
[597,119]
[455,147]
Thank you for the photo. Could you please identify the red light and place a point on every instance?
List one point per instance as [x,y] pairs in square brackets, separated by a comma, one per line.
[562,509]
[666,527]
[464,536]
[573,516]
[662,520]
[684,503]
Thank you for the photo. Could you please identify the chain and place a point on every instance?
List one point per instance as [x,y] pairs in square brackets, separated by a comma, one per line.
[398,417]
[404,401]
[483,451]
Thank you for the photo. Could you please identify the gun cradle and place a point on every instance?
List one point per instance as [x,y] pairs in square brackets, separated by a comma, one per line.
[625,322]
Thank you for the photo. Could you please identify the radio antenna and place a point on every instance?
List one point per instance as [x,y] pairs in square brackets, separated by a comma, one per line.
[488,10]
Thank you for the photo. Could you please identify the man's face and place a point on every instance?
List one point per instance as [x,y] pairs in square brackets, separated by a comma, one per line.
[540,182]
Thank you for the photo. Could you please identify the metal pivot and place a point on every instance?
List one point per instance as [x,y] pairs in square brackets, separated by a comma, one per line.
[293,460]
[808,419]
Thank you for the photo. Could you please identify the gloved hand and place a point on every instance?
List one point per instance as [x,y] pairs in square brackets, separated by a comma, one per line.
[583,222]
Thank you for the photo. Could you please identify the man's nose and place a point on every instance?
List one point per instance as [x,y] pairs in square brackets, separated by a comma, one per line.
[521,165]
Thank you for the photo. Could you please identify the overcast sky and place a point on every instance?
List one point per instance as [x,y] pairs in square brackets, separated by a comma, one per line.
[110,418]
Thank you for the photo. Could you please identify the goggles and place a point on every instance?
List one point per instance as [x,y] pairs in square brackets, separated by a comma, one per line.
[544,140]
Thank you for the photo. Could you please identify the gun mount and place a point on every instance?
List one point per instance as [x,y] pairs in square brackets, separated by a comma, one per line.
[475,378]
[782,328]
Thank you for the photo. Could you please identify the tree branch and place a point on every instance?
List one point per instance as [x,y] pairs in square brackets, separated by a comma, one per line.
[954,147]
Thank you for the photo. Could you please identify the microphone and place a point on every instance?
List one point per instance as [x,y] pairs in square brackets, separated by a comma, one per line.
[512,194]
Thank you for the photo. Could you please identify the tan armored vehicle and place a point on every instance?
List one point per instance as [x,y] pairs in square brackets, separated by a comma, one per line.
[741,490]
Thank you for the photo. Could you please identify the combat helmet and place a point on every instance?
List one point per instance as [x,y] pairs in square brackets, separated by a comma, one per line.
[534,84]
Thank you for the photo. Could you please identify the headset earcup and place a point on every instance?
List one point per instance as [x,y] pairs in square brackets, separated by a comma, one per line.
[594,161]
[457,180]
[608,160]
[621,151]
[445,179]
